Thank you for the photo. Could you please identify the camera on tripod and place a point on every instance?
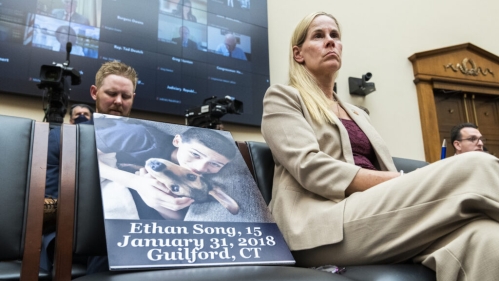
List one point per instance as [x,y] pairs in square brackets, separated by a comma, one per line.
[56,80]
[208,115]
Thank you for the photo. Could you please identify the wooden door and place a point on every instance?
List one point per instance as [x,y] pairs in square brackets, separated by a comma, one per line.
[455,107]
[486,116]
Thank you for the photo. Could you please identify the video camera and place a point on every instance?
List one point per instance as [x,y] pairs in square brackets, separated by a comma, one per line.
[208,115]
[359,86]
[56,79]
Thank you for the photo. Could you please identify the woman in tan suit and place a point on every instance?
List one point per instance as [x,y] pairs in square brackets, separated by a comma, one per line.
[337,197]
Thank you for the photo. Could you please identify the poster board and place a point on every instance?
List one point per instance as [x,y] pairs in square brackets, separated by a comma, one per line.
[148,172]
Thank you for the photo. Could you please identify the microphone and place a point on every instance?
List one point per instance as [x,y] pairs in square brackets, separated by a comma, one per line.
[69,46]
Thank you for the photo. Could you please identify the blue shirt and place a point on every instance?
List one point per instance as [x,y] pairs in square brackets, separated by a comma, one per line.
[236,53]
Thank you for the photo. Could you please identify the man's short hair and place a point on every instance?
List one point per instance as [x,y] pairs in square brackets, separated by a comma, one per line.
[212,140]
[455,132]
[116,68]
[81,105]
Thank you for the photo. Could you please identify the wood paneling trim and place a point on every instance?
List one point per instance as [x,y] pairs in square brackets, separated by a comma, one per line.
[465,88]
[437,52]
[429,121]
[459,84]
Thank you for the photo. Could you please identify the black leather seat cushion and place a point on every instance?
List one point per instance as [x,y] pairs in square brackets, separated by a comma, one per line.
[263,167]
[239,273]
[392,272]
[10,270]
[18,153]
[89,225]
[15,140]
[408,165]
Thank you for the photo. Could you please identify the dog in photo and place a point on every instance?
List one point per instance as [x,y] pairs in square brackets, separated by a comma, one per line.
[181,182]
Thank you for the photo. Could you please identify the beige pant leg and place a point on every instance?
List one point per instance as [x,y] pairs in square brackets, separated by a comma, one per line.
[399,219]
[468,253]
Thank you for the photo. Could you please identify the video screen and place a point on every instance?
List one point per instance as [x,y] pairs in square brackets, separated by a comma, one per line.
[185,51]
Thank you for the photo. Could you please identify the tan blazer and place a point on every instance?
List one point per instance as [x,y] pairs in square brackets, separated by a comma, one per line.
[314,166]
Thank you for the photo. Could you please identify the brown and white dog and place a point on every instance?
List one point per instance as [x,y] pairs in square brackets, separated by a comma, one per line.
[182,182]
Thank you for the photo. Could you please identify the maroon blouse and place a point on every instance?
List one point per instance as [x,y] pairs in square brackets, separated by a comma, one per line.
[363,152]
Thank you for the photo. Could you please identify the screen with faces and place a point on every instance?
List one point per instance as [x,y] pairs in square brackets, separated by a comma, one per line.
[184,51]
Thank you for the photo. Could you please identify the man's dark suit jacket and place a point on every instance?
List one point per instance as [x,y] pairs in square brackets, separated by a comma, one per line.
[191,45]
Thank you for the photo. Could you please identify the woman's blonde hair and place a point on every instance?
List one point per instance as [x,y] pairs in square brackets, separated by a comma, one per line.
[300,78]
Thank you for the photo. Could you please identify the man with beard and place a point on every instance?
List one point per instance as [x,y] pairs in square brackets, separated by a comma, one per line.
[113,92]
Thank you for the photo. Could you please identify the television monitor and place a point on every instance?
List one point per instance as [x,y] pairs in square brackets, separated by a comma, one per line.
[178,47]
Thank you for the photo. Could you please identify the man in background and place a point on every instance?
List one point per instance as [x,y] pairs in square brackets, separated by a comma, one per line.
[466,137]
[69,13]
[80,113]
[114,90]
[184,40]
[229,48]
[65,34]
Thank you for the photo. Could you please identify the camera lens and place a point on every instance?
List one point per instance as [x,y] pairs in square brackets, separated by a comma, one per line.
[367,76]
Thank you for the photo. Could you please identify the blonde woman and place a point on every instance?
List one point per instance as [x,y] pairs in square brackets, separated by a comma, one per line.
[337,196]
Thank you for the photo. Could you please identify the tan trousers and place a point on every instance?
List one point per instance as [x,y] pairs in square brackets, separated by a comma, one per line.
[444,215]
